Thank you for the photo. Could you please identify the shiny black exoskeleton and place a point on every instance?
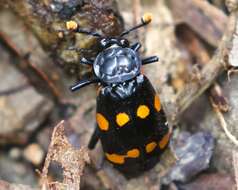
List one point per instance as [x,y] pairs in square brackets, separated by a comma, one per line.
[131,124]
[117,65]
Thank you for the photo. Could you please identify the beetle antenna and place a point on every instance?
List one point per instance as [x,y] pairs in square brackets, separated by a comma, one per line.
[84,82]
[146,19]
[73,26]
[95,34]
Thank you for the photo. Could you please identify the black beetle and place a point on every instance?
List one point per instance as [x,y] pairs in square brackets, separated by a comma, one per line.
[131,123]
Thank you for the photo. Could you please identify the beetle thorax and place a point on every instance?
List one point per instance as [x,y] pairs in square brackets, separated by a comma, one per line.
[117,65]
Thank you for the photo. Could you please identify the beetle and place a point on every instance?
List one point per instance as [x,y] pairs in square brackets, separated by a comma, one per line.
[130,121]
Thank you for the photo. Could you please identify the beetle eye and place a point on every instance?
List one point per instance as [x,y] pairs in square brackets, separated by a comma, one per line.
[103,43]
[124,43]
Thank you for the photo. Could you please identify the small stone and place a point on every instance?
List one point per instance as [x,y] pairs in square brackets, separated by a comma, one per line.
[15,153]
[22,108]
[34,154]
[60,34]
[16,171]
[194,153]
[44,136]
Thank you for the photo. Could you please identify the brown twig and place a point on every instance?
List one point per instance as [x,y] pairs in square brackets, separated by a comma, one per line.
[210,71]
[39,72]
[218,99]
[223,122]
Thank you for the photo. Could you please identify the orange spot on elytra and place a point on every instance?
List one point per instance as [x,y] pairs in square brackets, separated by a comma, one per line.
[116,158]
[134,153]
[164,141]
[122,119]
[143,111]
[120,159]
[102,122]
[157,103]
[150,147]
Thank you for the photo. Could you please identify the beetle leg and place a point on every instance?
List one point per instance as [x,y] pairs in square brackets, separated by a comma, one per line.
[94,138]
[149,60]
[84,82]
[86,61]
[136,46]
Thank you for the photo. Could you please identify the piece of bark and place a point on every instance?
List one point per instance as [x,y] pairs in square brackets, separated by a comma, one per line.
[72,161]
[205,19]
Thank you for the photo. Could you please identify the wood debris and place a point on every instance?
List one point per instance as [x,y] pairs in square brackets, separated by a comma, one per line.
[71,160]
